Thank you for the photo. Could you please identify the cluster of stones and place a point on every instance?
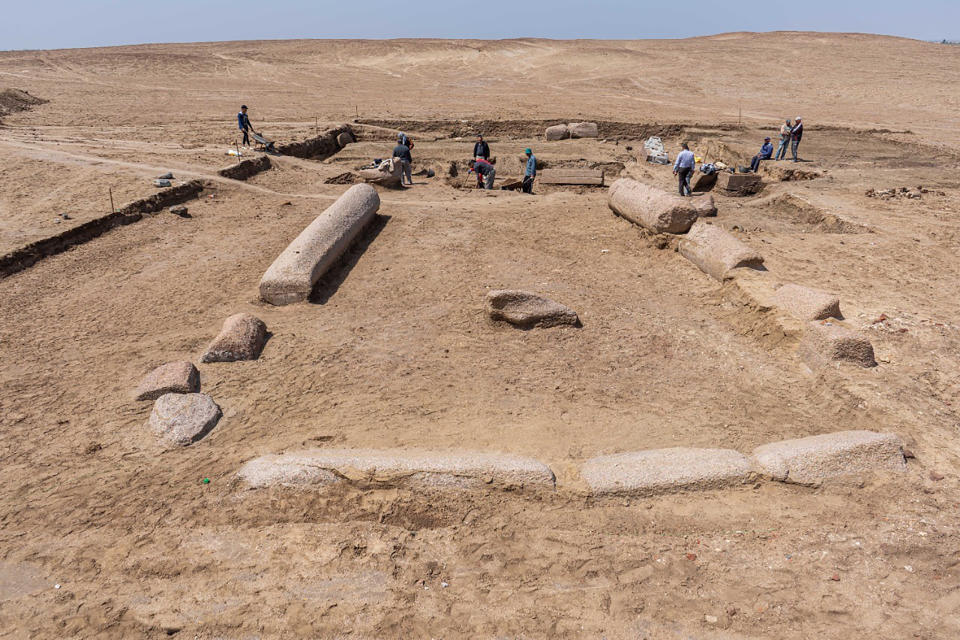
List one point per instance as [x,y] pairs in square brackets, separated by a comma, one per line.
[572,130]
[806,461]
[723,257]
[182,414]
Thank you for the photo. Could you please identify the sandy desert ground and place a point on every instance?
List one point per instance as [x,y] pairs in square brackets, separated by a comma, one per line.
[105,533]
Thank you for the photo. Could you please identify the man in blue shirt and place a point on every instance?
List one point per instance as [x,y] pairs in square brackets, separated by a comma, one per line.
[243,122]
[766,152]
[683,169]
[530,173]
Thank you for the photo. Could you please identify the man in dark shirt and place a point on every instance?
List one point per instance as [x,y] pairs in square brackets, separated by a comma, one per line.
[485,169]
[481,150]
[401,152]
[243,122]
[796,134]
[766,152]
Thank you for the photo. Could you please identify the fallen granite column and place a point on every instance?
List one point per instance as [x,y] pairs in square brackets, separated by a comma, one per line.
[292,275]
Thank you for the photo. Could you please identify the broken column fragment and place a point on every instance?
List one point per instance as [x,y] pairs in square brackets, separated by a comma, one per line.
[656,210]
[824,343]
[805,303]
[717,252]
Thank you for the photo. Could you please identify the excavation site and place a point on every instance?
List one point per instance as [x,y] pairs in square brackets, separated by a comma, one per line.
[277,390]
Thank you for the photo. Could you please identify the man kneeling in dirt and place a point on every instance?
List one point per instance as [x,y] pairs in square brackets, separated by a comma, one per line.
[484,170]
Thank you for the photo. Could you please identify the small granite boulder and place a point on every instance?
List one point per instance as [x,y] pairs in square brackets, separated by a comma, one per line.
[344,139]
[557,132]
[180,210]
[583,129]
[173,377]
[527,310]
[242,338]
[181,419]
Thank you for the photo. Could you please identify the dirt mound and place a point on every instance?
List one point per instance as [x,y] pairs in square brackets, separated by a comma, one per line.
[16,100]
[518,128]
[343,178]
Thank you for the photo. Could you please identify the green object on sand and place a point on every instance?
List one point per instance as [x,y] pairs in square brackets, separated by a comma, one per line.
[206,481]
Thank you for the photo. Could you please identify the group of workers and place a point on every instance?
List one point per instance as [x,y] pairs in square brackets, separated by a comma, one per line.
[486,172]
[790,136]
[480,164]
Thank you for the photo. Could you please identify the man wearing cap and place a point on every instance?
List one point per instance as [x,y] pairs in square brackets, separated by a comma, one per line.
[484,170]
[531,171]
[784,142]
[481,150]
[243,122]
[796,134]
[766,152]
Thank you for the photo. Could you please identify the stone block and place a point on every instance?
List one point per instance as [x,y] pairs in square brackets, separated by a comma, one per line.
[557,132]
[739,184]
[805,303]
[716,252]
[809,461]
[292,275]
[386,174]
[180,419]
[527,310]
[398,467]
[583,129]
[665,471]
[572,176]
[825,342]
[173,377]
[241,338]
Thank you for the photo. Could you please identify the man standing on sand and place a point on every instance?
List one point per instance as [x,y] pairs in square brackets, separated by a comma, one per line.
[401,154]
[766,151]
[796,135]
[243,122]
[484,170]
[683,168]
[784,140]
[530,172]
[481,150]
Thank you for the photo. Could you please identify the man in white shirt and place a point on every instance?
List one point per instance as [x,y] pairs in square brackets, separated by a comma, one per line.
[683,169]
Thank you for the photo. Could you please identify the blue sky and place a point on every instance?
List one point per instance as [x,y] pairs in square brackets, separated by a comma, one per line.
[47,24]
